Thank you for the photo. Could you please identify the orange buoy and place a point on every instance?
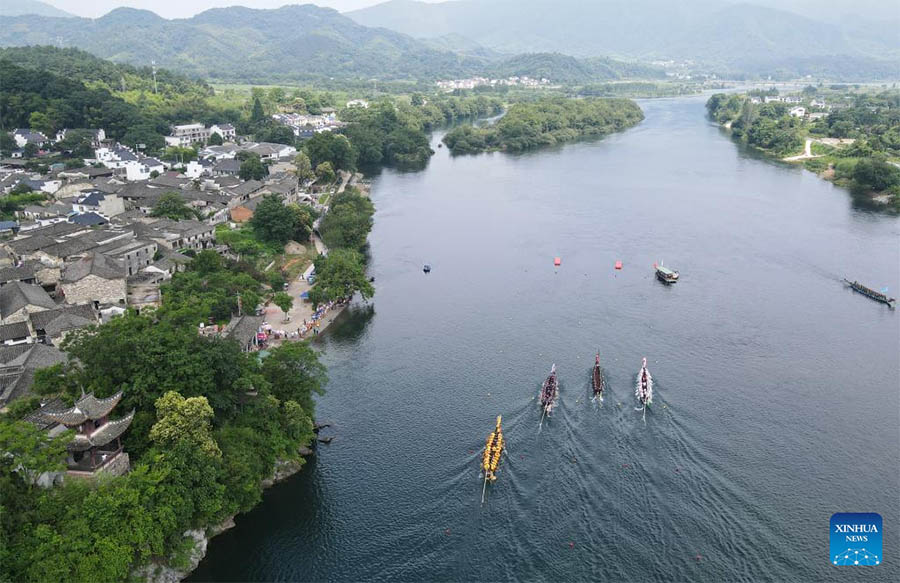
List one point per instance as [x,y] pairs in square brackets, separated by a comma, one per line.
[618,265]
[557,262]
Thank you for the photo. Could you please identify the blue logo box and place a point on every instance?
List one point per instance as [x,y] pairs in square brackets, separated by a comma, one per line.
[856,539]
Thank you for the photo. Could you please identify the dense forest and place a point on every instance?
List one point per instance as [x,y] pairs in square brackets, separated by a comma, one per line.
[867,123]
[546,122]
[73,89]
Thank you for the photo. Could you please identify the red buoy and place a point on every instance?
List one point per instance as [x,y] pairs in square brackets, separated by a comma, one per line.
[618,265]
[557,262]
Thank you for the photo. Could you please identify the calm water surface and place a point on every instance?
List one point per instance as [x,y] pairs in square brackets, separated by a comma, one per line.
[776,387]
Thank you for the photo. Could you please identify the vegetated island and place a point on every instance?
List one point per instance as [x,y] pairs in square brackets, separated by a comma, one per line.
[546,122]
[849,136]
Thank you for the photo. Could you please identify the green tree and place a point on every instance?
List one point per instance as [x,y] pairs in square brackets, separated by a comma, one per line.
[330,147]
[876,174]
[31,450]
[273,221]
[252,169]
[144,133]
[348,220]
[257,114]
[284,301]
[171,205]
[184,420]
[303,166]
[30,150]
[41,122]
[294,373]
[215,139]
[339,275]
[325,173]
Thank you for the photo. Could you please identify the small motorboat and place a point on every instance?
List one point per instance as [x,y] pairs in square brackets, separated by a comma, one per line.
[427,268]
[666,275]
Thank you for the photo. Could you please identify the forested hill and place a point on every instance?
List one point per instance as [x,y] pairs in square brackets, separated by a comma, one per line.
[78,65]
[561,68]
[240,44]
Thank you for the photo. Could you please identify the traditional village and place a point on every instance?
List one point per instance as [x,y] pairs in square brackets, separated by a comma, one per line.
[95,247]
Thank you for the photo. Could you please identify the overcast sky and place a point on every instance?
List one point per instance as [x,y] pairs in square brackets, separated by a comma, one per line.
[185,8]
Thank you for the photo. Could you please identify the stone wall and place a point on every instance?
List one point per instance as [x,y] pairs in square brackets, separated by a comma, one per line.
[95,289]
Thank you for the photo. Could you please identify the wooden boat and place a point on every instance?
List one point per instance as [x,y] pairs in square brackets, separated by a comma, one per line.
[490,459]
[597,378]
[666,275]
[644,389]
[549,392]
[870,293]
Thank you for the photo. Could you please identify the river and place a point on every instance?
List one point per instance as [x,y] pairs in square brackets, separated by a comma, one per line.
[776,399]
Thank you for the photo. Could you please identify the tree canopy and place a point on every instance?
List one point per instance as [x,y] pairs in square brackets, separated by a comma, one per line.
[172,206]
[339,275]
[348,220]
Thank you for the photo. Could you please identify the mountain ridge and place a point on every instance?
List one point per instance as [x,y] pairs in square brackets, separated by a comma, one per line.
[731,35]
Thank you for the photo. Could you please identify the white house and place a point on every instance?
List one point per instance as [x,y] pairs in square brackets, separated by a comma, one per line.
[24,136]
[798,112]
[143,168]
[188,134]
[225,130]
[97,136]
[99,202]
[358,103]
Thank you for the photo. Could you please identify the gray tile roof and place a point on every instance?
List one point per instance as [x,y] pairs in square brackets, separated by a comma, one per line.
[101,436]
[54,322]
[88,219]
[92,264]
[69,247]
[31,243]
[92,197]
[87,407]
[245,188]
[16,295]
[14,331]
[230,165]
[17,366]
[16,273]
[243,328]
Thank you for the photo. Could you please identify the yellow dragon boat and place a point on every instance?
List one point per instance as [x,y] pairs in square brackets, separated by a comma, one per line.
[490,459]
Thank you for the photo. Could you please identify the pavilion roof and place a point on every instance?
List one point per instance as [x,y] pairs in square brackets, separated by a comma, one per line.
[102,435]
[87,407]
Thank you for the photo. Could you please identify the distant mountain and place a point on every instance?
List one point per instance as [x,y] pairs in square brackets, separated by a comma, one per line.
[731,35]
[20,7]
[288,44]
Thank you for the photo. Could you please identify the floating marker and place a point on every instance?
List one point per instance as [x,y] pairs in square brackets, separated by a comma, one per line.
[557,261]
[618,265]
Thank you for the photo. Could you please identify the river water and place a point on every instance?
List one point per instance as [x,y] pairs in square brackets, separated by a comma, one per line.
[776,398]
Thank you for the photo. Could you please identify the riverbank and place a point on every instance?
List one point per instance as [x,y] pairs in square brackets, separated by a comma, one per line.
[846,137]
[185,561]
